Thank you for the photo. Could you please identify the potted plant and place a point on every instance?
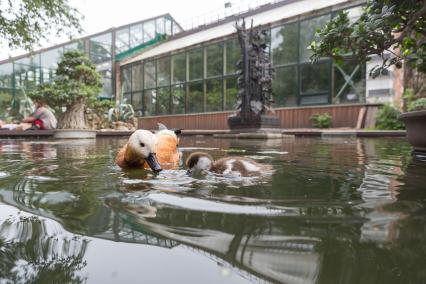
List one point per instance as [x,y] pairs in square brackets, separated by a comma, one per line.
[415,119]
[74,89]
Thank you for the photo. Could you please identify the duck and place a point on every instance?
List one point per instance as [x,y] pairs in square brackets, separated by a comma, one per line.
[168,153]
[140,150]
[201,162]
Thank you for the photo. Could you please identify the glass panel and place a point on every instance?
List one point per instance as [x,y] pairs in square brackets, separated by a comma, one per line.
[137,100]
[100,50]
[233,54]
[6,73]
[137,73]
[126,80]
[214,95]
[284,86]
[149,102]
[149,75]
[284,44]
[231,93]
[148,31]
[315,78]
[127,98]
[136,35]
[78,45]
[106,88]
[195,98]
[307,34]
[163,101]
[168,24]
[160,26]
[349,82]
[5,102]
[214,60]
[122,40]
[176,28]
[195,64]
[314,100]
[178,99]
[179,68]
[163,71]
[50,58]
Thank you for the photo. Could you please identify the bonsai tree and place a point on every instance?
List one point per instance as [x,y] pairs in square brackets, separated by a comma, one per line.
[392,29]
[75,87]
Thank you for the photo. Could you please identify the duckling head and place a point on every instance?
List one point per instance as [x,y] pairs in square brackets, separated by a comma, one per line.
[199,162]
[143,145]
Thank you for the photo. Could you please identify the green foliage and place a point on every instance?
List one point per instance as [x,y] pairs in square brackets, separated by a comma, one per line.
[413,102]
[385,25]
[321,120]
[76,81]
[387,118]
[23,23]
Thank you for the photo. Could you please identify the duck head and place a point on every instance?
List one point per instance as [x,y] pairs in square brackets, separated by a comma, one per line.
[143,146]
[199,162]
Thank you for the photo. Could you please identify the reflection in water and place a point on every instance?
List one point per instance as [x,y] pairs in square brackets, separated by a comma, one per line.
[335,210]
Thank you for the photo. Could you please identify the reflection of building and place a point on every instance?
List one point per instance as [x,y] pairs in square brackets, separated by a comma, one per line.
[193,71]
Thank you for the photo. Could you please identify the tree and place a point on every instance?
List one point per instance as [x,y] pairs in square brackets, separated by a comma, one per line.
[23,23]
[76,85]
[395,27]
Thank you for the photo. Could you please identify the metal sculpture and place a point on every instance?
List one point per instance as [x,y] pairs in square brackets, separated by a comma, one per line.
[254,82]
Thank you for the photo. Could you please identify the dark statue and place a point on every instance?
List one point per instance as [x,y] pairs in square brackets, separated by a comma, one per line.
[254,83]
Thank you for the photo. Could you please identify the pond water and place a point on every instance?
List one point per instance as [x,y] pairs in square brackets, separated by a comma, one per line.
[338,210]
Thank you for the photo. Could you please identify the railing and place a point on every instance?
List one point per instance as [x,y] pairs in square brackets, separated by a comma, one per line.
[232,8]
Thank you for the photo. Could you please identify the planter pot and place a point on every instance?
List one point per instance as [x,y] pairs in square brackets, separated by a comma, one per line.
[74,134]
[415,122]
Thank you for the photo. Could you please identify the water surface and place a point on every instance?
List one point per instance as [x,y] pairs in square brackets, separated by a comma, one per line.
[333,211]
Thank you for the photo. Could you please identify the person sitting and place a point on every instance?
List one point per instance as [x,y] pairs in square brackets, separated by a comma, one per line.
[42,118]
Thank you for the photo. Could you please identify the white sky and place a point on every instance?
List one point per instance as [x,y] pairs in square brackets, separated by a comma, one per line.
[101,15]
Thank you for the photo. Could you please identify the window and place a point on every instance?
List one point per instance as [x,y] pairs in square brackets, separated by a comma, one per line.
[148,31]
[126,80]
[149,75]
[284,44]
[214,60]
[178,99]
[284,86]
[315,78]
[122,40]
[214,95]
[137,82]
[195,64]
[137,100]
[233,54]
[163,71]
[349,82]
[307,35]
[163,101]
[179,68]
[149,102]
[231,92]
[160,26]
[195,97]
[136,35]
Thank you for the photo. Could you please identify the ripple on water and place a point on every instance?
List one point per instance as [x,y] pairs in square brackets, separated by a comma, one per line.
[4,175]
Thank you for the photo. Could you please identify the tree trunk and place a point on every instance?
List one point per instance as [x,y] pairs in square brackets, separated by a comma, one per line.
[73,117]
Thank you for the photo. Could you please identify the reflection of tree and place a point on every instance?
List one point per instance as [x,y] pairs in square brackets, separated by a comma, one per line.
[31,253]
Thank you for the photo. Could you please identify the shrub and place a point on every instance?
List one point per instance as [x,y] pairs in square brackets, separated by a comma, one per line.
[321,120]
[419,104]
[387,118]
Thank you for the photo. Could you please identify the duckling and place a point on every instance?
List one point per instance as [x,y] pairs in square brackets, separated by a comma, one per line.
[167,147]
[139,150]
[233,165]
